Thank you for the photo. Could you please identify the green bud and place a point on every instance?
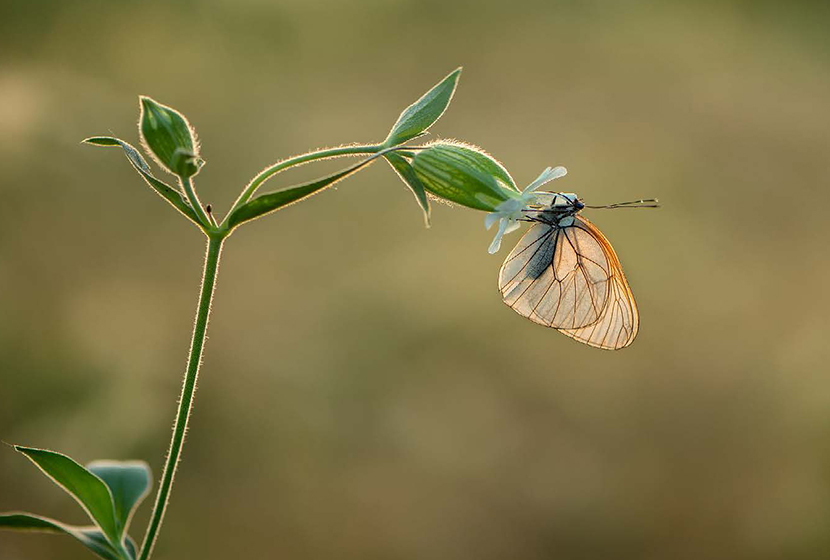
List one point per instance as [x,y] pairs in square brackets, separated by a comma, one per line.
[169,138]
[465,175]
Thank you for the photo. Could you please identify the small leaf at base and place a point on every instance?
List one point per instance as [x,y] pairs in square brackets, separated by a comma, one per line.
[87,489]
[129,483]
[90,536]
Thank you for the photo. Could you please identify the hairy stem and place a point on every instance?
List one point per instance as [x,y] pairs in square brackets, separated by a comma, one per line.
[214,250]
[190,192]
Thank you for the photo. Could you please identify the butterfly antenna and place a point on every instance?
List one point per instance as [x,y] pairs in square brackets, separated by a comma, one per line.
[642,203]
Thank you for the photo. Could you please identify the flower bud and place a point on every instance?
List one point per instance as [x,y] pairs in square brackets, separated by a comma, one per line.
[465,175]
[169,138]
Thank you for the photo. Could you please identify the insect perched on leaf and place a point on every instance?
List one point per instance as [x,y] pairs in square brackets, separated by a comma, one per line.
[565,274]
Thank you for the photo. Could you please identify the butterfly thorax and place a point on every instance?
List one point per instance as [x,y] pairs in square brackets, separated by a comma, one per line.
[556,209]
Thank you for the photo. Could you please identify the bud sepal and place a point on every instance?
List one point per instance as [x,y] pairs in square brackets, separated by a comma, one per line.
[464,174]
[168,137]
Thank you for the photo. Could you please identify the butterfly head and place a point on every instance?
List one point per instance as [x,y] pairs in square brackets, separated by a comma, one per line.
[565,202]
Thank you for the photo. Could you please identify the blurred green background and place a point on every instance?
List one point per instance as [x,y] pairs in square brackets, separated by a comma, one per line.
[366,395]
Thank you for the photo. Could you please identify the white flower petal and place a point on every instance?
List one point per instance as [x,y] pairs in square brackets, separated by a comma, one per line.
[512,225]
[510,205]
[558,171]
[491,219]
[546,176]
[538,181]
[496,244]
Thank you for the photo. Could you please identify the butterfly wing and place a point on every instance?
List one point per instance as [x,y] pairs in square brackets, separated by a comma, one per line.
[570,278]
[557,277]
[619,322]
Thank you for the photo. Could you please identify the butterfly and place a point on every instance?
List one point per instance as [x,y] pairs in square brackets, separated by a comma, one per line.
[565,274]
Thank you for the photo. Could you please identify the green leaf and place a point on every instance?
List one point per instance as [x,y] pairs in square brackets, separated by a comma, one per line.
[270,202]
[418,117]
[169,138]
[87,489]
[90,536]
[171,195]
[129,483]
[107,141]
[411,180]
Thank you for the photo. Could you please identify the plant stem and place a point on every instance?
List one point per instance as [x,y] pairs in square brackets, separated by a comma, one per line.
[268,172]
[189,191]
[214,250]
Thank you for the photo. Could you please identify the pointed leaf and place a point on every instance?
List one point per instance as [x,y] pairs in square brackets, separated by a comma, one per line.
[87,489]
[270,202]
[418,117]
[129,483]
[104,141]
[411,180]
[171,195]
[90,536]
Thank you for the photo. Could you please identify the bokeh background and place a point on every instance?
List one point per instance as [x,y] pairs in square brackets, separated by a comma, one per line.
[366,395]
